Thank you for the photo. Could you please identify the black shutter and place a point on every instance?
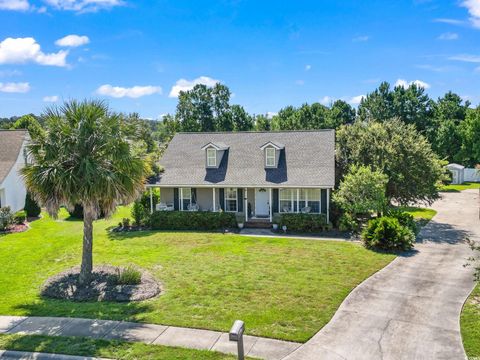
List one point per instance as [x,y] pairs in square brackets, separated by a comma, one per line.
[240,199]
[275,201]
[175,199]
[222,198]
[194,196]
[323,198]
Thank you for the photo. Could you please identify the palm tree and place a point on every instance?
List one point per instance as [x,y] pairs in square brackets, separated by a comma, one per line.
[84,158]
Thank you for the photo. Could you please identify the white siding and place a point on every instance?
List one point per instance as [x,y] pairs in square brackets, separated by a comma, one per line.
[12,189]
[472,175]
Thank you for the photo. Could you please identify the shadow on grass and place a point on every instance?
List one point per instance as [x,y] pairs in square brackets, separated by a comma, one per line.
[105,310]
[127,235]
[450,190]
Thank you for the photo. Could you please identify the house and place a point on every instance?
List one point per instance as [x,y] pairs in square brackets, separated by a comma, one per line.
[457,173]
[253,174]
[12,159]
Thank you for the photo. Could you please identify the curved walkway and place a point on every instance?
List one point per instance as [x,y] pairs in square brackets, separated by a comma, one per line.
[411,308]
[263,348]
[25,355]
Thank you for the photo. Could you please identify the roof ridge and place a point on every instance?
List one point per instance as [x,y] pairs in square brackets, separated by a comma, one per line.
[255,132]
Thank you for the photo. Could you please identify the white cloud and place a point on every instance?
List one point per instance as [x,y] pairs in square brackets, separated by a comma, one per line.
[73,41]
[84,5]
[466,58]
[405,84]
[23,50]
[185,85]
[271,114]
[473,7]
[53,98]
[131,92]
[448,36]
[9,73]
[17,5]
[361,38]
[356,99]
[20,87]
[308,67]
[450,21]
[326,100]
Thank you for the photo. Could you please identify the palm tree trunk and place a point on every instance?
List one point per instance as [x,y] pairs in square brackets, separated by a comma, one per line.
[87,256]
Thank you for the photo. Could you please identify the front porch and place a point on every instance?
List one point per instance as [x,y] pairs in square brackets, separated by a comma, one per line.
[252,205]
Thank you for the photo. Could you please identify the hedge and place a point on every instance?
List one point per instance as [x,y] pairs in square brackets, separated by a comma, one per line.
[192,220]
[304,222]
[386,233]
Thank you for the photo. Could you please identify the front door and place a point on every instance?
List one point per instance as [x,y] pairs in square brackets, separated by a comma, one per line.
[261,203]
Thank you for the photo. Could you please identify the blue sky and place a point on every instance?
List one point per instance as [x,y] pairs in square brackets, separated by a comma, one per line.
[138,54]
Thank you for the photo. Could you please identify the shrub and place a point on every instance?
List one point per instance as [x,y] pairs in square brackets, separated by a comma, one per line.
[20,217]
[192,220]
[303,222]
[138,213]
[77,212]
[127,276]
[386,233]
[145,199]
[6,218]
[347,223]
[31,207]
[126,222]
[404,218]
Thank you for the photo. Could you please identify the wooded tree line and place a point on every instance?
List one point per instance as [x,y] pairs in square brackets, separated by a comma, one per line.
[450,125]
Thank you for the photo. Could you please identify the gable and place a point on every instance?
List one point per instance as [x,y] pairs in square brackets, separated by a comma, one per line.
[11,142]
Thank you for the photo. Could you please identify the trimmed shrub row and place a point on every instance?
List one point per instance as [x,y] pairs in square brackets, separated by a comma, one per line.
[304,222]
[192,220]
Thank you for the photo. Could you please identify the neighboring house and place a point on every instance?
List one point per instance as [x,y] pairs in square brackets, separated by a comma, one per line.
[252,174]
[12,159]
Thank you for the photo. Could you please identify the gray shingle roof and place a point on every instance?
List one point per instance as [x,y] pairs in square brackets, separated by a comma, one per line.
[10,145]
[308,159]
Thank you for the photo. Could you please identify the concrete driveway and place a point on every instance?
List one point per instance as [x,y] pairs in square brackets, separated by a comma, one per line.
[411,308]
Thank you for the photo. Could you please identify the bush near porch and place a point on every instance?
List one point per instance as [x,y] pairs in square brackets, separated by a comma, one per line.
[304,222]
[192,220]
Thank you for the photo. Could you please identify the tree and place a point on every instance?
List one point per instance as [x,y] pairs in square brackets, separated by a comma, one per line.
[241,119]
[362,191]
[263,123]
[410,104]
[470,138]
[29,123]
[340,113]
[84,158]
[397,150]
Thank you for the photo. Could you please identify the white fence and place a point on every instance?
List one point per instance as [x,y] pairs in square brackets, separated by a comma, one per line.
[471,175]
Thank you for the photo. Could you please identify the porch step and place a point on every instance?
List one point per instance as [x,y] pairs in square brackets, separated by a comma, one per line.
[258,224]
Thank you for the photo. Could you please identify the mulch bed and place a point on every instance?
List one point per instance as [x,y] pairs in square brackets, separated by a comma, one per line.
[102,287]
[15,229]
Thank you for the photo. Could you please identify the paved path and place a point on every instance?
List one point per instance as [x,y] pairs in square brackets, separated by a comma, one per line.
[410,309]
[263,348]
[25,355]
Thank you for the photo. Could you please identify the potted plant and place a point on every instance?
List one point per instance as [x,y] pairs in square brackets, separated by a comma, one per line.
[275,227]
[284,228]
[240,225]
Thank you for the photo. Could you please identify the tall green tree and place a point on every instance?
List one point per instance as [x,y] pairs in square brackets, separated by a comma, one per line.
[84,158]
[397,150]
[470,134]
[30,123]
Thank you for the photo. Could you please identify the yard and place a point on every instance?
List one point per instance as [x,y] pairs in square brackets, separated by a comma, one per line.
[460,187]
[281,288]
[470,324]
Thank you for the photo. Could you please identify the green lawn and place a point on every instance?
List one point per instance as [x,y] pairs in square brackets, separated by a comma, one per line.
[458,188]
[103,348]
[421,215]
[470,324]
[281,288]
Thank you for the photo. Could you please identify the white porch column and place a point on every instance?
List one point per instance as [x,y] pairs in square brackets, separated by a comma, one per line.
[270,203]
[245,206]
[214,200]
[328,205]
[151,201]
[298,200]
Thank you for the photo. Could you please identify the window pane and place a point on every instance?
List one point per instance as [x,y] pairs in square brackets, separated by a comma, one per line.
[231,199]
[211,157]
[285,196]
[270,153]
[186,196]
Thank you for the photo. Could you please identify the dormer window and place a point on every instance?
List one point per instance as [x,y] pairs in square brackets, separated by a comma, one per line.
[270,157]
[211,157]
[272,153]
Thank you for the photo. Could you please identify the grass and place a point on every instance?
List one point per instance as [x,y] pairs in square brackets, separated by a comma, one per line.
[104,348]
[421,215]
[282,288]
[460,187]
[470,324]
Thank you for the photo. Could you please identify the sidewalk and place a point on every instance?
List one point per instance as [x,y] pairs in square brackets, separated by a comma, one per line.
[25,355]
[259,347]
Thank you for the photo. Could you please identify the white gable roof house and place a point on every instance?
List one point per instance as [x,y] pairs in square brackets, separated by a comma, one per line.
[12,159]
